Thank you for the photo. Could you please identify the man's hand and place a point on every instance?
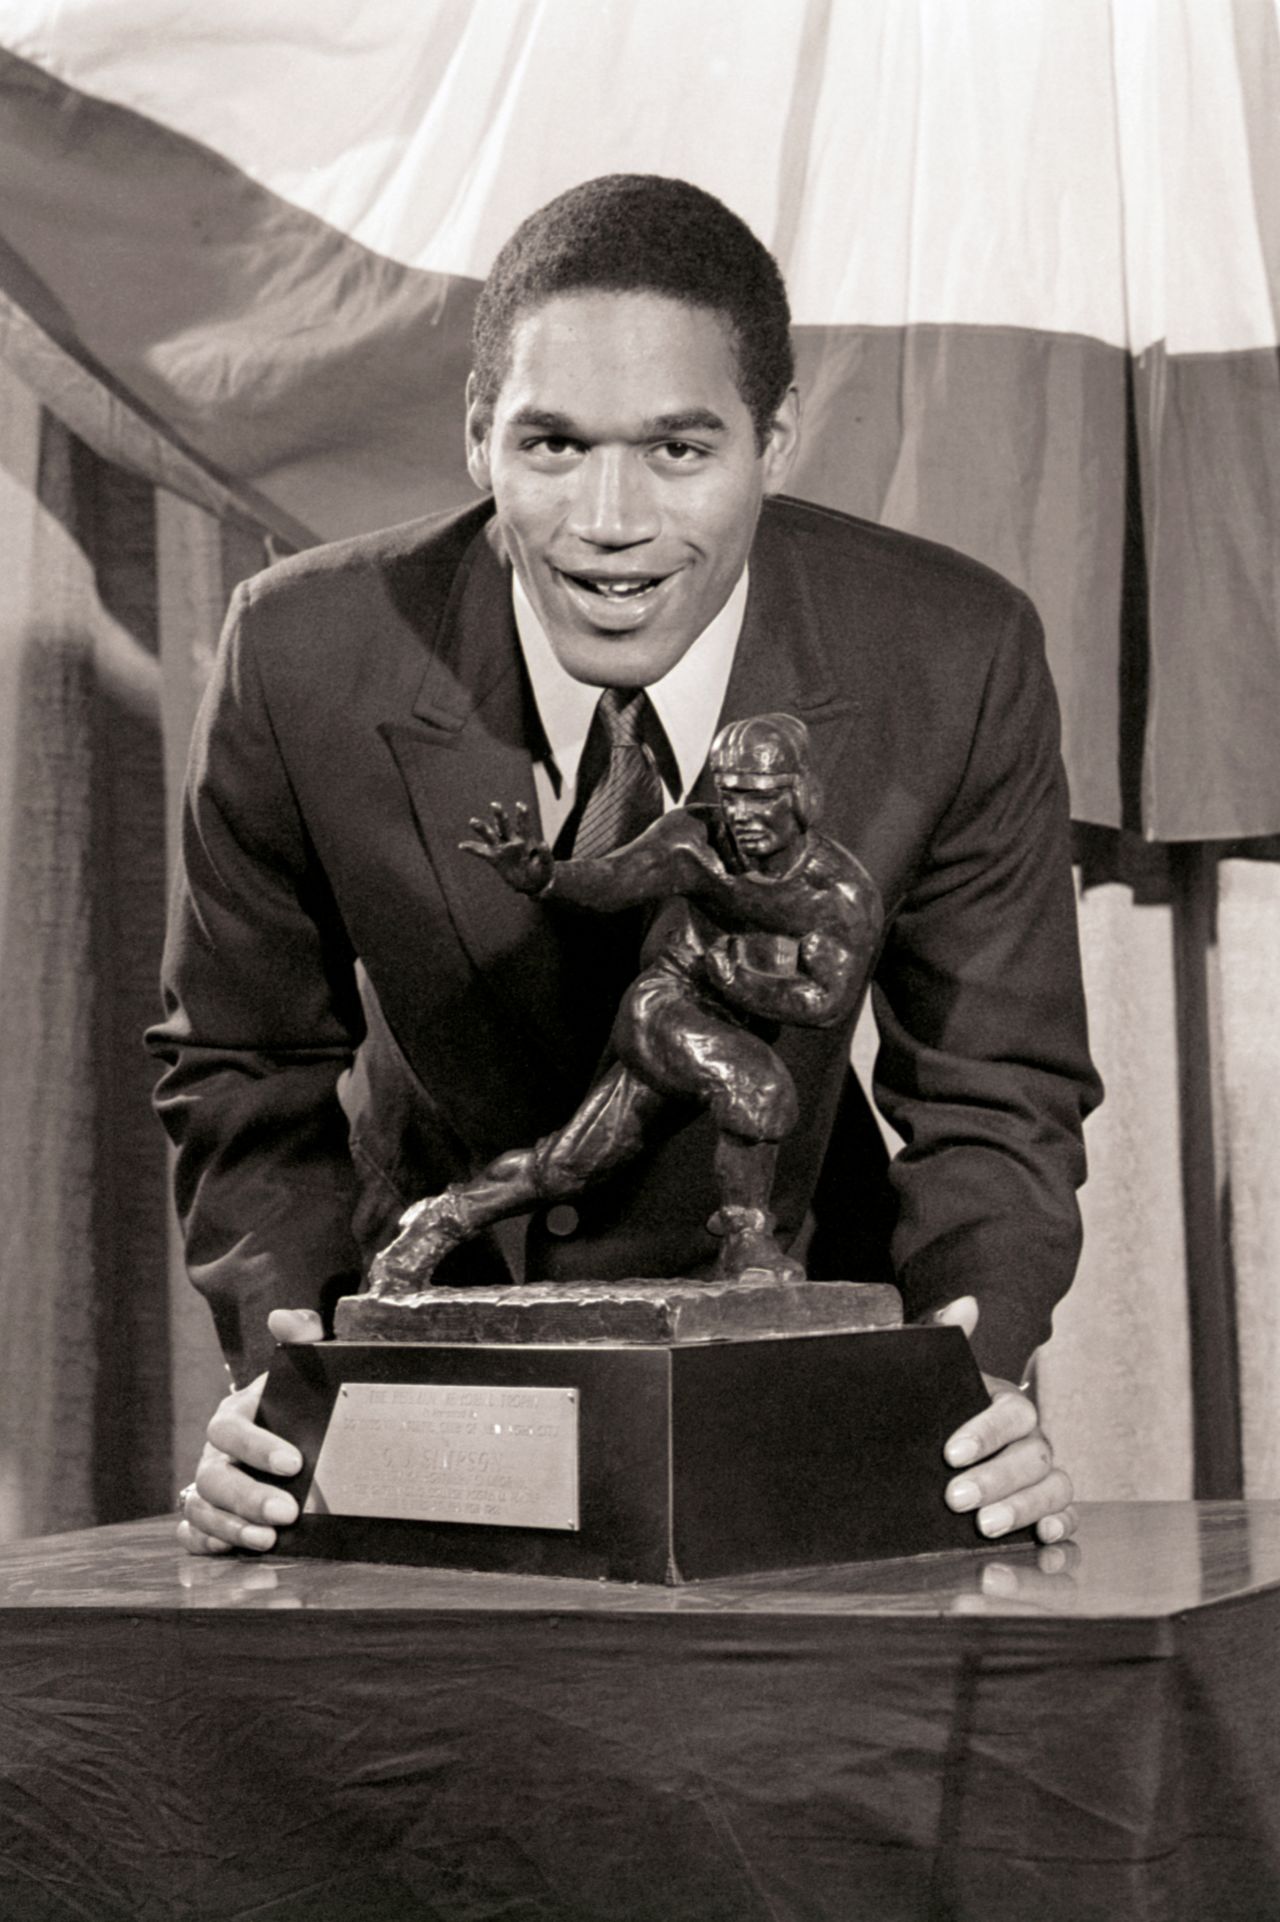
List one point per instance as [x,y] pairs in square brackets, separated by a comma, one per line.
[521,857]
[1010,1478]
[224,1508]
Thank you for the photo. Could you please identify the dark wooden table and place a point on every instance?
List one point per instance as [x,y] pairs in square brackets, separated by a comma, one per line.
[1086,1732]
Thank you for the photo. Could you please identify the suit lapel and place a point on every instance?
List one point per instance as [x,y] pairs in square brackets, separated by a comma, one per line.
[781,665]
[468,745]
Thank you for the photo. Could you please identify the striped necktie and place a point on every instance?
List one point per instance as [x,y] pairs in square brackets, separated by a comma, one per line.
[619,787]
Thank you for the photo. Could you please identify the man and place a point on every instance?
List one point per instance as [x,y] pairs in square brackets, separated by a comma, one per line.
[631,411]
[765,923]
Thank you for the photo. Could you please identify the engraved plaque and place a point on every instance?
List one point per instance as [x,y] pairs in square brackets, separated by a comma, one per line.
[436,1452]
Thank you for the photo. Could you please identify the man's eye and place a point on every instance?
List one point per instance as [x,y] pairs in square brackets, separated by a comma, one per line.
[557,446]
[679,453]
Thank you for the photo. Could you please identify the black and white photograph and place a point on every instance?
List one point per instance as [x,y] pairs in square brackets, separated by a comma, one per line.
[639,1003]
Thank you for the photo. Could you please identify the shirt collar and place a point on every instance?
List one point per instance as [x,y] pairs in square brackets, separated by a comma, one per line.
[687,700]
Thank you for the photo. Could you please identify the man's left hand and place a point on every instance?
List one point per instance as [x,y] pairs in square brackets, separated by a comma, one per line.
[1009,1478]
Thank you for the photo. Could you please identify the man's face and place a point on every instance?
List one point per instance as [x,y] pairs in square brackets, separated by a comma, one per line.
[761,817]
[624,465]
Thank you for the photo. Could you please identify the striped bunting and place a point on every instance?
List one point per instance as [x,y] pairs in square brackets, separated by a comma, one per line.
[1033,251]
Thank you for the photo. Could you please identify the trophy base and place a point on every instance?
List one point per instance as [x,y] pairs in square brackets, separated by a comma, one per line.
[622,1311]
[665,1462]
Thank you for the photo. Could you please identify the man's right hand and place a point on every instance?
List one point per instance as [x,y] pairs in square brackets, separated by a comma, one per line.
[224,1507]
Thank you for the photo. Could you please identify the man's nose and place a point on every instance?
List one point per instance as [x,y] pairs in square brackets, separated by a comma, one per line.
[614,505]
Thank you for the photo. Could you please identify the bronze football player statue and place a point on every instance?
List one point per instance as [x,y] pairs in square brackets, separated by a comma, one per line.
[765,922]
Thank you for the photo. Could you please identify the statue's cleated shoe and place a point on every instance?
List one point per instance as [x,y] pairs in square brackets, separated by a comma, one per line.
[428,1230]
[748,1249]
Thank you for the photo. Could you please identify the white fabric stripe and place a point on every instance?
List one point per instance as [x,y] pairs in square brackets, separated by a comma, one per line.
[1098,167]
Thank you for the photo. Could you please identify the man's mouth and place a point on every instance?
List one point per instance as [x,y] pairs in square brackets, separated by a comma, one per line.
[620,602]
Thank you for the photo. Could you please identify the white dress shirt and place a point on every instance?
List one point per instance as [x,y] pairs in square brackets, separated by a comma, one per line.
[687,701]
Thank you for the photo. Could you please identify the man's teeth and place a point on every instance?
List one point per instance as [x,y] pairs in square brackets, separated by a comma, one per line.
[618,590]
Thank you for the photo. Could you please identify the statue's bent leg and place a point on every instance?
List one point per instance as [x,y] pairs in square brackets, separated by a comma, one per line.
[687,1048]
[607,1129]
[744,1222]
[439,1223]
[756,1107]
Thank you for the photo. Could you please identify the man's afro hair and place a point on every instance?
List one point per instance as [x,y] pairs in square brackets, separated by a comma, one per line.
[630,233]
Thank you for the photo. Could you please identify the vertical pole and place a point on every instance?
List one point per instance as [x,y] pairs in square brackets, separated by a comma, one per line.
[1206,1188]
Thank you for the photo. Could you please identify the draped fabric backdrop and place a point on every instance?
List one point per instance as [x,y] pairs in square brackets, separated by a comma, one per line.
[1034,254]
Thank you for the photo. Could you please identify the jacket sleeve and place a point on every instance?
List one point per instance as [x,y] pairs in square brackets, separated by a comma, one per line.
[984,1065]
[262,1015]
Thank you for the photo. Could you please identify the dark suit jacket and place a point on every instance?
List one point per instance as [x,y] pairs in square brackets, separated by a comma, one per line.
[370,696]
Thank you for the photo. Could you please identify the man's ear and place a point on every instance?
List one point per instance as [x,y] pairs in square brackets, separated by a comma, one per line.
[784,440]
[479,420]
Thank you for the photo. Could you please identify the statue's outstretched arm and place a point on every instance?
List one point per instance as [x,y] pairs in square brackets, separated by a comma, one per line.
[657,863]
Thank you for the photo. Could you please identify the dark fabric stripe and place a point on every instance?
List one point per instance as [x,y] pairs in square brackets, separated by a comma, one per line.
[277,349]
[1137,502]
[1209,431]
[1010,446]
[86,400]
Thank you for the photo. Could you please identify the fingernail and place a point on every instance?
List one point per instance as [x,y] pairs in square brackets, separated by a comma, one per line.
[963,1449]
[285,1461]
[252,1536]
[279,1508]
[963,1495]
[1051,1529]
[995,1521]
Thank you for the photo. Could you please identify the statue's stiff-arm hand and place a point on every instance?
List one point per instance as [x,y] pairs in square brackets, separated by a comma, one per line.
[519,855]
